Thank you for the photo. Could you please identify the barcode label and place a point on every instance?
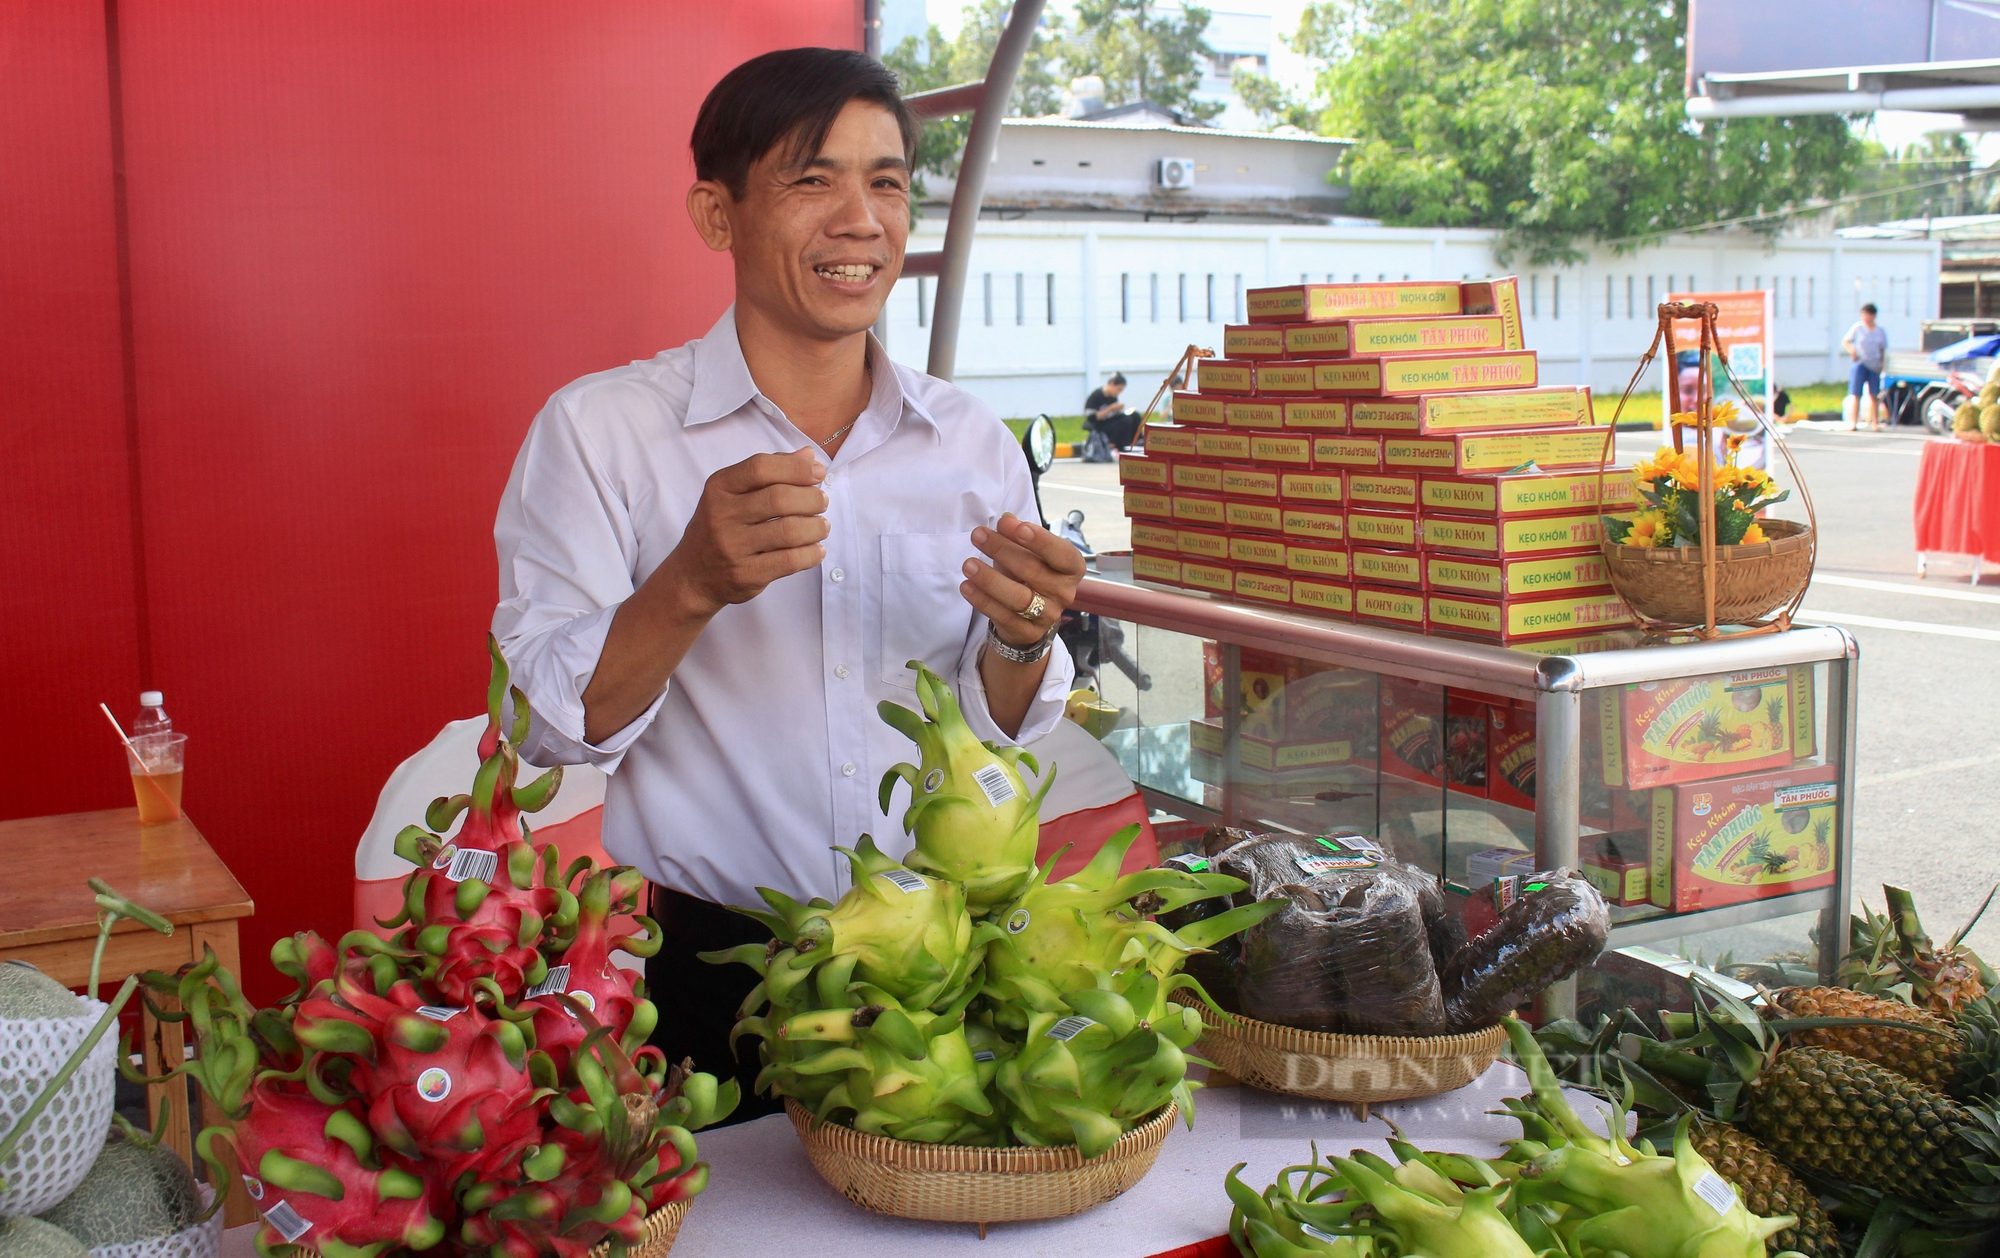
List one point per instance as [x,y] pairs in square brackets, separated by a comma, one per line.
[556,980]
[994,781]
[286,1221]
[1506,890]
[1190,862]
[1321,864]
[1069,1028]
[905,881]
[1351,843]
[440,1013]
[1716,1191]
[469,863]
[984,1054]
[1318,1235]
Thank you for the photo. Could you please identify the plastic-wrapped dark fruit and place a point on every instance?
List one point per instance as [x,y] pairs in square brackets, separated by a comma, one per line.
[1558,925]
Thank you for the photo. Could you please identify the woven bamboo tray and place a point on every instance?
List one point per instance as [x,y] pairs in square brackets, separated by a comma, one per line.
[1358,1069]
[1664,583]
[951,1183]
[662,1226]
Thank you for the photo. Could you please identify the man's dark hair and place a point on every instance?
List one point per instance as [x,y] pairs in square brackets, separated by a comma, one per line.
[1116,378]
[1868,307]
[790,98]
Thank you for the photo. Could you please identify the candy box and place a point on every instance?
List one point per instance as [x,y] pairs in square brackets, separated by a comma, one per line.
[1508,539]
[1547,448]
[1250,550]
[1383,528]
[1510,752]
[1297,303]
[1410,716]
[1490,863]
[1622,880]
[1346,375]
[1254,413]
[1527,493]
[1226,375]
[1259,586]
[1323,596]
[1379,566]
[1219,446]
[1200,478]
[1249,515]
[1283,375]
[1318,560]
[1347,453]
[1200,410]
[1249,482]
[1386,605]
[1465,743]
[1315,414]
[1741,838]
[1310,522]
[1509,620]
[1174,441]
[1690,728]
[1286,449]
[1144,472]
[1199,510]
[1316,340]
[1410,374]
[1394,491]
[1564,406]
[1158,539]
[1211,545]
[1382,414]
[1158,569]
[1498,296]
[1149,504]
[1418,334]
[1253,340]
[1216,578]
[1327,486]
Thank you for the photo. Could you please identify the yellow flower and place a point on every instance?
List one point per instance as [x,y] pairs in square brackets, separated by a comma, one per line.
[1755,533]
[1649,528]
[1723,412]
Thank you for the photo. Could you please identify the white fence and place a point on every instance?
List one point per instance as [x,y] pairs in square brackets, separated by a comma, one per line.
[1053,307]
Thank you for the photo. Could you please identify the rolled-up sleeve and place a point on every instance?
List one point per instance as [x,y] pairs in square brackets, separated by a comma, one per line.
[567,553]
[1059,670]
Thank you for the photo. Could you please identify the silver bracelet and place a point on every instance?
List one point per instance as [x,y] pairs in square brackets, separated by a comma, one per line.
[1016,654]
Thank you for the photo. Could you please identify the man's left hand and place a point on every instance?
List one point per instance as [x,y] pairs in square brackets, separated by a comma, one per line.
[1028,562]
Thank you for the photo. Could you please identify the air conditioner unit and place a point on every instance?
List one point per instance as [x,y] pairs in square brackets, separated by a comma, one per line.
[1174,172]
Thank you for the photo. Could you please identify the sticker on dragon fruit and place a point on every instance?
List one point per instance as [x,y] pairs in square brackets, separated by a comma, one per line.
[472,863]
[287,1222]
[440,1013]
[1069,1028]
[253,1186]
[1716,1191]
[1331,1238]
[1018,922]
[434,1084]
[993,780]
[905,881]
[585,999]
[984,1054]
[444,857]
[1190,862]
[933,780]
[556,980]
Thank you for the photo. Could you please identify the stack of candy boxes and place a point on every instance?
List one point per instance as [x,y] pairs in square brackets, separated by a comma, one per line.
[1383,453]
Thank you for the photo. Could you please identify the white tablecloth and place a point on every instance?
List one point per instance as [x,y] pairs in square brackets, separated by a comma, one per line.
[764,1200]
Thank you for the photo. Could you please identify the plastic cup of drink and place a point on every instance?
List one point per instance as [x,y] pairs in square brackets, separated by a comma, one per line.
[157,762]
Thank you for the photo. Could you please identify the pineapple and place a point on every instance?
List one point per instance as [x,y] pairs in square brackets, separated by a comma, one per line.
[1889,954]
[1768,1188]
[1774,721]
[1929,1056]
[1854,1120]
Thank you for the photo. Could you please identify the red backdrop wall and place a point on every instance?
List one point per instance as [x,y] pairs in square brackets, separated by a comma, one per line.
[366,241]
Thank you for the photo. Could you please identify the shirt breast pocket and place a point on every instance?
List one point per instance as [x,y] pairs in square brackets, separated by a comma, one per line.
[923,616]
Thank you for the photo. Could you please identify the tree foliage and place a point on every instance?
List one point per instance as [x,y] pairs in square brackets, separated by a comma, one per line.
[1143,53]
[1273,103]
[939,62]
[1554,120]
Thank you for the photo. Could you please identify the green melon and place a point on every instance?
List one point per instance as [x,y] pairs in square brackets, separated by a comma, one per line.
[29,1237]
[26,992]
[134,1192]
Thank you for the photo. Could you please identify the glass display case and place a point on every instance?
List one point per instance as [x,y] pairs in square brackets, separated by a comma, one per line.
[1705,788]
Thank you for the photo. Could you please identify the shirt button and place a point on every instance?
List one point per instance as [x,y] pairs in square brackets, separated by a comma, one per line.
[838,575]
[847,770]
[840,671]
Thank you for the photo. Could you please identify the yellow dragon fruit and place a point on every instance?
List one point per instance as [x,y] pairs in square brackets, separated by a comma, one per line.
[970,811]
[905,1076]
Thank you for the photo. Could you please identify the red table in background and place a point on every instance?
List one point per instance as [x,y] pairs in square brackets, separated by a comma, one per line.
[1957,504]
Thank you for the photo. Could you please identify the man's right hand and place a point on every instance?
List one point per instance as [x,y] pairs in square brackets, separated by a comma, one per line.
[758,520]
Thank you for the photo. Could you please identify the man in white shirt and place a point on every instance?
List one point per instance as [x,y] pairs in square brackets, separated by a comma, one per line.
[715,563]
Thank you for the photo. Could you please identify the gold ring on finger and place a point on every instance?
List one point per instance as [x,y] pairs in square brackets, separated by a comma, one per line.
[1033,611]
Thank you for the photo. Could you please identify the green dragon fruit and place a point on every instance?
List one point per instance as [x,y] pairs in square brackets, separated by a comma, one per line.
[970,811]
[902,1075]
[1090,1070]
[1059,937]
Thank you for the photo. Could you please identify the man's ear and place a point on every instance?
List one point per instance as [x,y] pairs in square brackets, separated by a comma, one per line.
[708,208]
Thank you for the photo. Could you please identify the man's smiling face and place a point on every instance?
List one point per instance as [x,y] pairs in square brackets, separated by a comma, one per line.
[818,238]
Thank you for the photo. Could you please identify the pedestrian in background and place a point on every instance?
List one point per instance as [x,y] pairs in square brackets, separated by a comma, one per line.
[1866,344]
[1107,421]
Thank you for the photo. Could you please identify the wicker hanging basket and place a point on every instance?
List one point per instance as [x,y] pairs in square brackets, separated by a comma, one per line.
[662,1226]
[951,1183]
[1360,1070]
[1701,588]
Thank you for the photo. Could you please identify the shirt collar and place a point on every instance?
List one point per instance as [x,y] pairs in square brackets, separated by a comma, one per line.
[722,383]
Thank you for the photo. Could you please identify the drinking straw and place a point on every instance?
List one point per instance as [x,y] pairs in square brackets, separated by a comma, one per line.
[141,760]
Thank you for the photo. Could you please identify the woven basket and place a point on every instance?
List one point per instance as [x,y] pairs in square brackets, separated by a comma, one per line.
[1358,1069]
[951,1183]
[1664,583]
[662,1226]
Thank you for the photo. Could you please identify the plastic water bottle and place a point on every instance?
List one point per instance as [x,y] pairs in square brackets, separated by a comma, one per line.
[152,718]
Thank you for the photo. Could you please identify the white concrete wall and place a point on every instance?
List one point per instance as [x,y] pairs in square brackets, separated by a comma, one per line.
[1589,322]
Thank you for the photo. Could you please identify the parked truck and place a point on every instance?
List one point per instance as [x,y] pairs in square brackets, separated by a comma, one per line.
[1924,386]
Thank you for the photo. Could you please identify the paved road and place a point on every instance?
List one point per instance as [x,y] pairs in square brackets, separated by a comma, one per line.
[1928,773]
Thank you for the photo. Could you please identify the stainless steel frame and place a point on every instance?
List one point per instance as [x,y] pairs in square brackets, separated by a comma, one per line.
[1556,684]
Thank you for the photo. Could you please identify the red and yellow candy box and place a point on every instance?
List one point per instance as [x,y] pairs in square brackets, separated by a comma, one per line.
[1741,838]
[1692,728]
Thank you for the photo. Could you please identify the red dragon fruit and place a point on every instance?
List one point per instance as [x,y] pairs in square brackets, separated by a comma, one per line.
[447,1086]
[316,1176]
[589,977]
